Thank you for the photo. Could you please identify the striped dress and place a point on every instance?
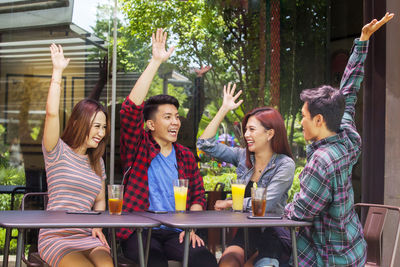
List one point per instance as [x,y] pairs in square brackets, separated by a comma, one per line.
[72,185]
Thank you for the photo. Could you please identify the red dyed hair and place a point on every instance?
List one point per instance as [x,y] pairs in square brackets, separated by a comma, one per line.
[78,129]
[269,118]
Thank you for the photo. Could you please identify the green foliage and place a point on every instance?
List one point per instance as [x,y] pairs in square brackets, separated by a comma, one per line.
[35,132]
[4,154]
[195,28]
[13,242]
[296,184]
[132,53]
[211,180]
[178,92]
[214,172]
[11,176]
[298,136]
[8,175]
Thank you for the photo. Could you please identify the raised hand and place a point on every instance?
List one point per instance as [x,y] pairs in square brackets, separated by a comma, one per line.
[203,70]
[103,69]
[373,26]
[57,57]
[230,97]
[158,40]
[228,104]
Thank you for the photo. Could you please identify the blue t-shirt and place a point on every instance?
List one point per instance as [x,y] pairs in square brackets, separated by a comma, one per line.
[162,171]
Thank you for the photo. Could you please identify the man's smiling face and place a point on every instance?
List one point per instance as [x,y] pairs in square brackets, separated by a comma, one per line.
[165,124]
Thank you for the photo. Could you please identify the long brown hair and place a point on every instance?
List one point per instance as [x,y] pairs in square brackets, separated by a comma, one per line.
[78,129]
[269,118]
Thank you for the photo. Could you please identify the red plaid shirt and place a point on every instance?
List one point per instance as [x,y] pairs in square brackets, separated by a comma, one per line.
[138,149]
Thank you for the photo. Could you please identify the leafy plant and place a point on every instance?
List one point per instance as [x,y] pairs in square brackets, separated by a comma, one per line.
[13,242]
[296,184]
[211,180]
[11,176]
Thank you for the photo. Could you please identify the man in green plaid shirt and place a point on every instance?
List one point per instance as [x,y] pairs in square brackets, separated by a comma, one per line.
[326,194]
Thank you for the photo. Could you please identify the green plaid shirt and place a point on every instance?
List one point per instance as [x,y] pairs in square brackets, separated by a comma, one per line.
[326,194]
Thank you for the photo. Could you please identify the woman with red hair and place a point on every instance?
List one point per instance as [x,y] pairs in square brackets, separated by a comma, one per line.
[75,175]
[266,161]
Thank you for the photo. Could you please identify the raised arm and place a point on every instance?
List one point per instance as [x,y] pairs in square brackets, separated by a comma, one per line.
[142,85]
[52,122]
[354,72]
[101,82]
[373,26]
[228,104]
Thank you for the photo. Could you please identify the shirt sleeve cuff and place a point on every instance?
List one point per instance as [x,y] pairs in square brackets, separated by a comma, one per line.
[129,103]
[203,144]
[361,46]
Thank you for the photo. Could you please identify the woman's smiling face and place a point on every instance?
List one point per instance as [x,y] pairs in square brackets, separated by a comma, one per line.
[256,136]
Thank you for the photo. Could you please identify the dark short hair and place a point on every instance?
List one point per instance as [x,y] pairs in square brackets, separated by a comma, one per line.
[327,101]
[151,104]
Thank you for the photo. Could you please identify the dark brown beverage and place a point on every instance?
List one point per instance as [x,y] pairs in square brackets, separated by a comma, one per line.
[115,206]
[258,207]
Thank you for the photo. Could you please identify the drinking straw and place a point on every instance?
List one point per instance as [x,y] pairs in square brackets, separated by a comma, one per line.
[126,172]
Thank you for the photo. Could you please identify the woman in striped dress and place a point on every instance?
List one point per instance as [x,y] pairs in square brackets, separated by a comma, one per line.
[75,175]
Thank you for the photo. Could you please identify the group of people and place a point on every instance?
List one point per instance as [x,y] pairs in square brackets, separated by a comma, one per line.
[152,159]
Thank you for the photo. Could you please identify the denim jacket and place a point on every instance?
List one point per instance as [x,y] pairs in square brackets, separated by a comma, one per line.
[277,176]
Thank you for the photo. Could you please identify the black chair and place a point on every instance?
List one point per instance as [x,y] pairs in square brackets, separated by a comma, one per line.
[34,259]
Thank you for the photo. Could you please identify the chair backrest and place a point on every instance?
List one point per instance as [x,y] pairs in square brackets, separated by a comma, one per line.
[27,196]
[373,230]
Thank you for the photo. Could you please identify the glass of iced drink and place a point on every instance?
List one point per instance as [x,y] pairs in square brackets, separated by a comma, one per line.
[180,194]
[115,198]
[258,201]
[238,188]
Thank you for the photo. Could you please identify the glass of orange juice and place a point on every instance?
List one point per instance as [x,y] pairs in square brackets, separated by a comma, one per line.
[115,198]
[238,188]
[180,194]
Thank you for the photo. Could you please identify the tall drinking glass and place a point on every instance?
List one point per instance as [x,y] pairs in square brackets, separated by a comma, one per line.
[258,201]
[180,194]
[238,188]
[115,198]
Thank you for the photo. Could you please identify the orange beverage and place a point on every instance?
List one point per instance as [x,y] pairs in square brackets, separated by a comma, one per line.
[180,194]
[238,188]
[115,206]
[115,196]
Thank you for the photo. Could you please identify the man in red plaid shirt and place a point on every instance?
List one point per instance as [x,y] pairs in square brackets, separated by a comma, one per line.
[153,160]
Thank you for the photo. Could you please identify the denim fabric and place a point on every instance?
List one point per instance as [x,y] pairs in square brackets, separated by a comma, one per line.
[277,176]
[267,262]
